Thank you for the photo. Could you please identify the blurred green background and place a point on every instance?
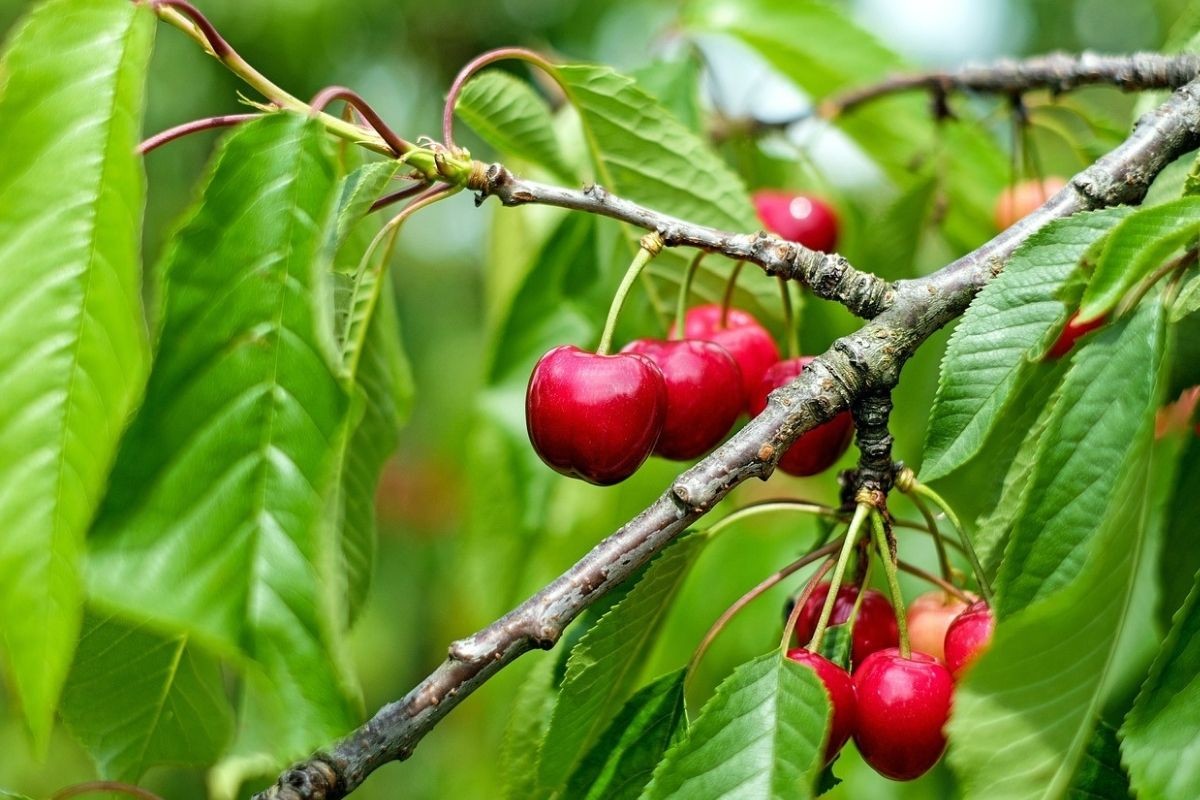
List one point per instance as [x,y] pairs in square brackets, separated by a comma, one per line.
[444,568]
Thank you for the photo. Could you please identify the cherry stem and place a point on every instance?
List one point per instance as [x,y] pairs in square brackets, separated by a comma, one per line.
[945,585]
[768,506]
[195,126]
[730,286]
[858,598]
[943,557]
[685,289]
[651,245]
[769,582]
[396,197]
[861,512]
[985,587]
[789,319]
[888,556]
[331,94]
[95,787]
[478,63]
[801,601]
[916,526]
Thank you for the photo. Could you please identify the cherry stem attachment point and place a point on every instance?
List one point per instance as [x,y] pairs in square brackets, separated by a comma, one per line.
[886,554]
[922,490]
[651,245]
[685,289]
[802,600]
[478,63]
[195,126]
[861,512]
[730,286]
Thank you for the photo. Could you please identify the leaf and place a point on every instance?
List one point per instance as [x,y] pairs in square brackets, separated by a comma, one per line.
[675,84]
[1108,397]
[527,724]
[990,352]
[73,349]
[761,735]
[1015,737]
[605,664]
[1136,247]
[623,759]
[1100,776]
[360,189]
[1180,557]
[136,698]
[1159,734]
[836,645]
[1188,301]
[891,248]
[213,521]
[512,117]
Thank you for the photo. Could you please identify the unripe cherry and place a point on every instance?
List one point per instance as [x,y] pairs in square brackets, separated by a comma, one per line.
[929,615]
[1023,198]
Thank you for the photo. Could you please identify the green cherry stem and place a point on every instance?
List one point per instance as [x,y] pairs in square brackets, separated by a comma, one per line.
[651,245]
[802,601]
[889,568]
[730,286]
[685,289]
[931,521]
[861,512]
[789,319]
[769,506]
[985,587]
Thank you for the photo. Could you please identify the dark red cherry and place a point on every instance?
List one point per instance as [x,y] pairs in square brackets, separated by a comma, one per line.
[820,448]
[968,636]
[840,687]
[749,343]
[903,705]
[595,417]
[874,629]
[800,218]
[704,393]
[1072,332]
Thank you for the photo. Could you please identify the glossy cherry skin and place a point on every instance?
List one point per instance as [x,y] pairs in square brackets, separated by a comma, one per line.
[840,687]
[1022,198]
[929,615]
[819,449]
[704,393]
[800,218]
[1072,332]
[903,704]
[749,343]
[968,636]
[874,629]
[595,417]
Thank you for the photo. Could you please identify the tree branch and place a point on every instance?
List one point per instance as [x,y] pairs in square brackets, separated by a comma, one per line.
[856,366]
[876,469]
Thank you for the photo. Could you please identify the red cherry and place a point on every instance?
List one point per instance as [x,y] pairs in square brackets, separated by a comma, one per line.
[595,417]
[1023,198]
[929,615]
[968,636]
[903,704]
[874,629]
[1071,333]
[801,218]
[704,393]
[820,448]
[840,687]
[749,343]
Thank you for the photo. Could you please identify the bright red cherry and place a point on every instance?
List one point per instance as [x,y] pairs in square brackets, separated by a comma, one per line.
[820,448]
[1022,199]
[840,687]
[595,417]
[874,629]
[800,218]
[704,393]
[1072,332]
[749,343]
[968,636]
[903,704]
[929,615]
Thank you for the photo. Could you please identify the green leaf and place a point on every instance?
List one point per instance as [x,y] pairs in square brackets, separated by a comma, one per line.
[213,521]
[360,188]
[605,664]
[1108,398]
[7,795]
[1100,776]
[512,117]
[675,84]
[836,645]
[1016,737]
[526,730]
[1188,300]
[1159,735]
[73,345]
[1136,247]
[761,735]
[991,351]
[1180,556]
[136,698]
[623,759]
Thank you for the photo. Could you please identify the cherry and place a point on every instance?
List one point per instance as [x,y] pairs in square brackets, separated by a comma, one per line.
[874,629]
[929,615]
[818,449]
[595,417]
[741,335]
[840,688]
[704,393]
[968,636]
[1071,333]
[1021,199]
[801,218]
[903,704]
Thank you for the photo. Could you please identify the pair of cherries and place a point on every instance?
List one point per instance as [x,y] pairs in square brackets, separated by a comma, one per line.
[894,707]
[599,417]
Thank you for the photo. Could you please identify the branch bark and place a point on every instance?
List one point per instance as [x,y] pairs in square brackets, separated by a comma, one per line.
[856,367]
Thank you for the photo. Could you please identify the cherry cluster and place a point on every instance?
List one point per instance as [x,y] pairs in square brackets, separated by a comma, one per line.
[598,417]
[894,707]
